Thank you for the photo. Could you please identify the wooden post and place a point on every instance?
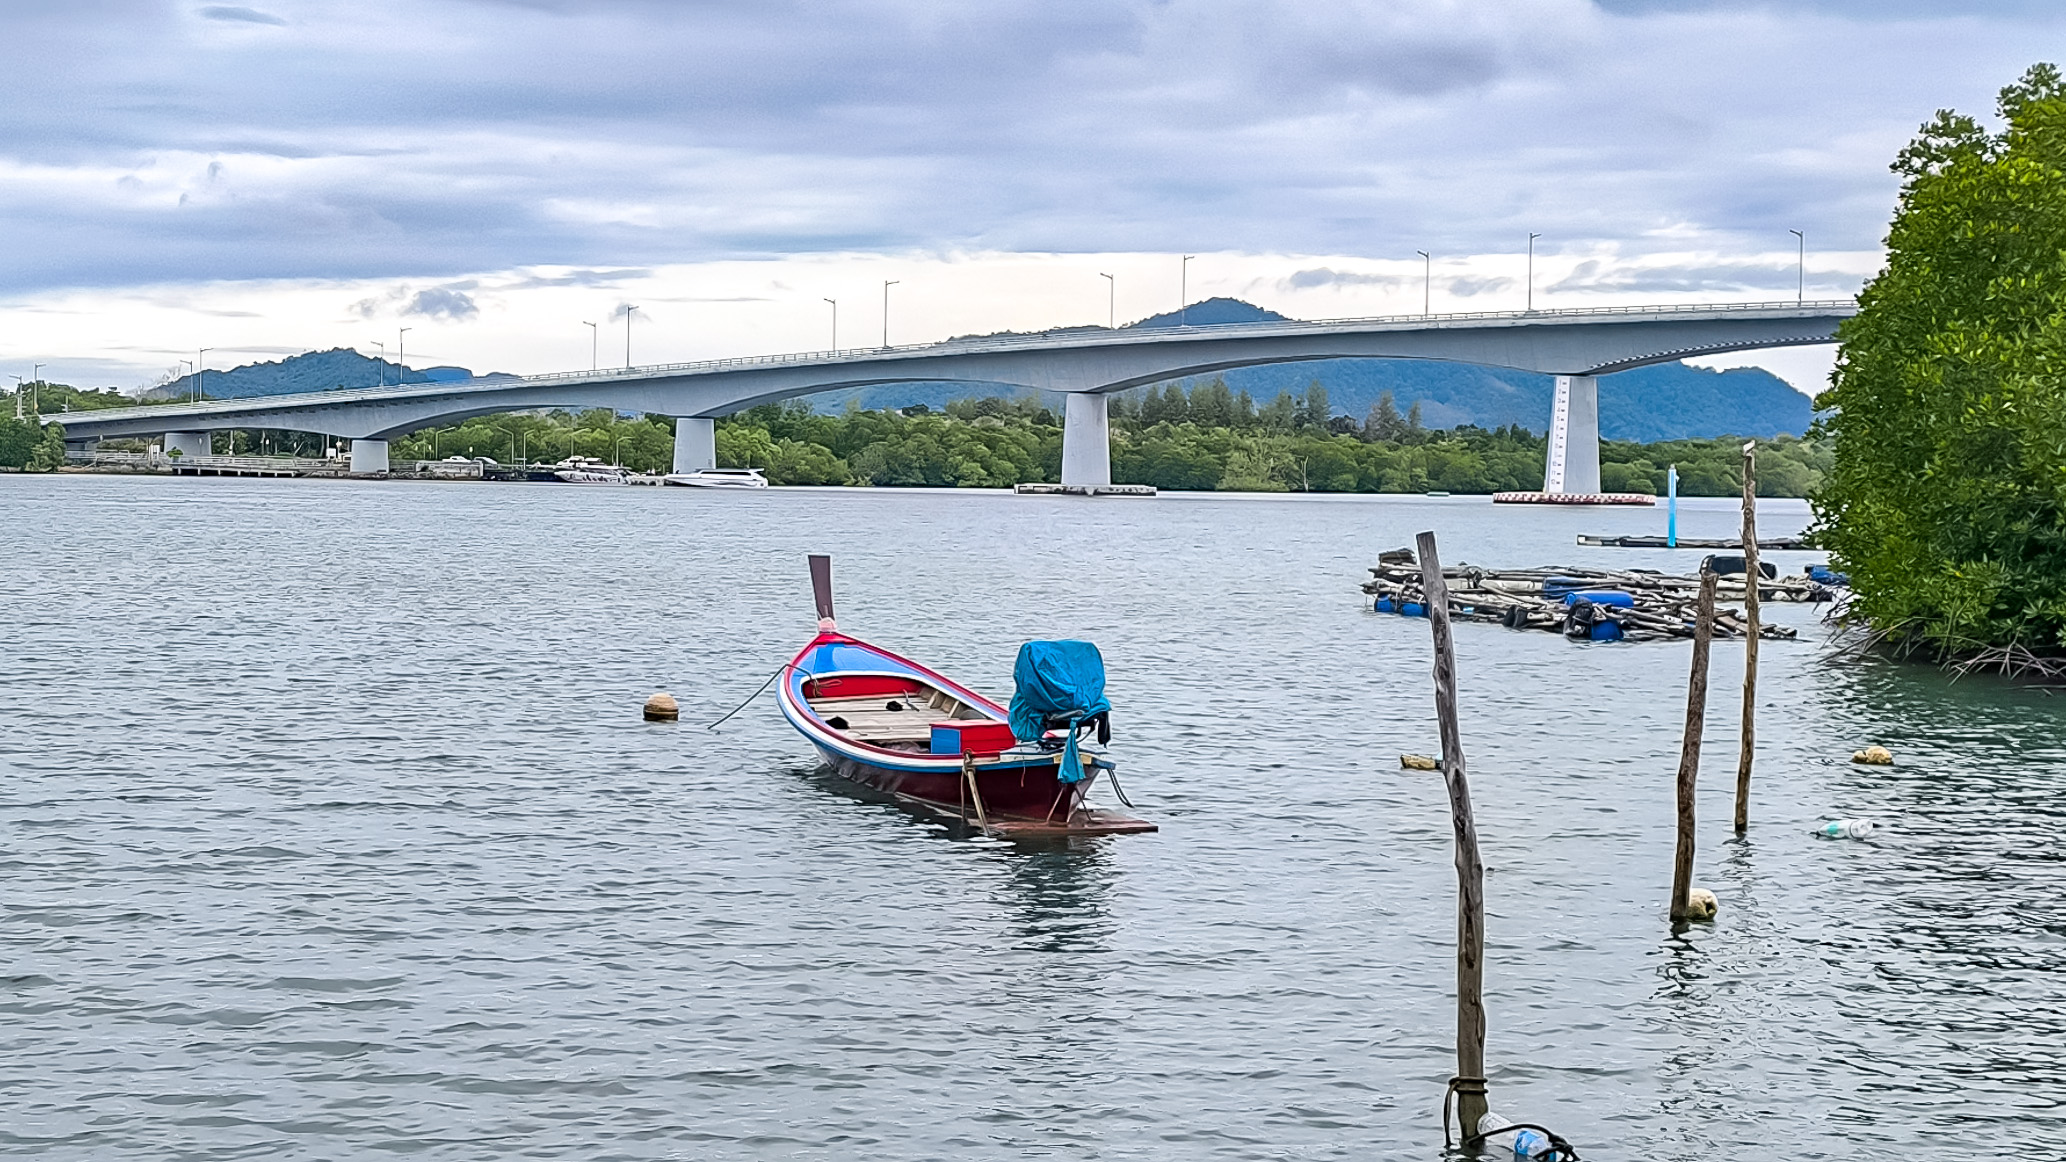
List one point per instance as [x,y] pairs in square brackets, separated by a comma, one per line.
[1689,750]
[1751,578]
[1470,872]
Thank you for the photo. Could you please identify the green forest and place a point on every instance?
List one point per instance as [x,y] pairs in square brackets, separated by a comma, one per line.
[1206,439]
[1946,499]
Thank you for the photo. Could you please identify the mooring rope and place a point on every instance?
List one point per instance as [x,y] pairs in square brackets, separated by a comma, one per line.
[783,669]
[1461,1087]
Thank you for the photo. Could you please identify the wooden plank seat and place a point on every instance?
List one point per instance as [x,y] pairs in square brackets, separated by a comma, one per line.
[871,720]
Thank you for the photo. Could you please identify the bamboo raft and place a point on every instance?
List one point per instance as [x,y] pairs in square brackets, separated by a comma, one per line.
[1581,603]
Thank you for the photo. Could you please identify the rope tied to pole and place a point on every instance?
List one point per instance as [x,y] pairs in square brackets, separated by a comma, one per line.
[1458,1087]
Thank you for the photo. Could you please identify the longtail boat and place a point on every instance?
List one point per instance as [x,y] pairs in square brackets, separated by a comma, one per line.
[888,722]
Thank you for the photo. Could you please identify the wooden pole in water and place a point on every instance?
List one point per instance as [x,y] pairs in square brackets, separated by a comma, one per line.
[1751,577]
[1689,750]
[1469,1083]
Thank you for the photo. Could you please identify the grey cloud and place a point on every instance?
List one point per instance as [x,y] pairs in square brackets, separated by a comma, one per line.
[581,278]
[1470,286]
[1718,278]
[443,303]
[1323,276]
[239,15]
[430,138]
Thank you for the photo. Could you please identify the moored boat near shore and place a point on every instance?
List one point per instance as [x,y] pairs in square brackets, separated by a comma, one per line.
[888,722]
[718,478]
[587,470]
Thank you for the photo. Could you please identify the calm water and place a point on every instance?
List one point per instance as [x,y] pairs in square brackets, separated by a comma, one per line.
[331,831]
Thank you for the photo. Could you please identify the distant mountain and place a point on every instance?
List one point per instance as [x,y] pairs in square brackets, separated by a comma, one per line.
[1666,401]
[1210,313]
[314,371]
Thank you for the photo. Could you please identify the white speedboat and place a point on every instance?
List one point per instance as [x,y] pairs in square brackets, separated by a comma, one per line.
[718,478]
[587,470]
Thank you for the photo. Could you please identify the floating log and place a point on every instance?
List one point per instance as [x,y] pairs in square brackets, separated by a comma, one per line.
[1788,543]
[1614,604]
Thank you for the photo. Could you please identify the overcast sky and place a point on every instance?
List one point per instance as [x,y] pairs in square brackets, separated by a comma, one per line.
[295,174]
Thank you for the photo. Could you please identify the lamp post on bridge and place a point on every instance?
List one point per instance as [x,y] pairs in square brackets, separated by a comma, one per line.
[1111,301]
[1183,292]
[835,325]
[886,285]
[1427,282]
[382,365]
[1800,286]
[594,345]
[628,308]
[402,352]
[36,388]
[1531,270]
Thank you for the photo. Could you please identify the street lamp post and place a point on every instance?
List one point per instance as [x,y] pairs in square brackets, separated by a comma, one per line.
[835,325]
[1183,293]
[1531,270]
[18,394]
[1111,301]
[382,365]
[36,388]
[200,369]
[594,342]
[1800,287]
[886,285]
[627,335]
[1427,282]
[402,352]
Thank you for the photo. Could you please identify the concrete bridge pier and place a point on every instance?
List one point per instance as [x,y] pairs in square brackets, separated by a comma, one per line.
[1086,442]
[188,444]
[369,457]
[1574,438]
[695,443]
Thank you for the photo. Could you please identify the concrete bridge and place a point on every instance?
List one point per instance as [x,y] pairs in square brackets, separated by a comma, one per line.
[1087,364]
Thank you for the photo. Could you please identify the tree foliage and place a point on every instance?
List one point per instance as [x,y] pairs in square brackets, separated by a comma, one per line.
[1946,500]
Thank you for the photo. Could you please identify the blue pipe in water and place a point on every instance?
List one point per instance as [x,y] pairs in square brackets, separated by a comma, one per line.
[1671,507]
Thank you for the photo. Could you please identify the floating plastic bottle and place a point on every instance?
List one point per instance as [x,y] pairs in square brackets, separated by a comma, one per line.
[1524,1143]
[1846,829]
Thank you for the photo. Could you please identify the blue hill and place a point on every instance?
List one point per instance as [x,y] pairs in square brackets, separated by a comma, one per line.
[314,371]
[1667,401]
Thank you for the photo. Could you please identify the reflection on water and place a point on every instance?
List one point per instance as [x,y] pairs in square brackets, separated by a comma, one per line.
[332,830]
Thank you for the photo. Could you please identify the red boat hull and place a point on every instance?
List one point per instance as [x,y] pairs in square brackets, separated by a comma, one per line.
[1016,793]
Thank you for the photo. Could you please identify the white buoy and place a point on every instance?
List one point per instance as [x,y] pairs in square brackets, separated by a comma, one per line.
[1701,904]
[661,707]
[1877,756]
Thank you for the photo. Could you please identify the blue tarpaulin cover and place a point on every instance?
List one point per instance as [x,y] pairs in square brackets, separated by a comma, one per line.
[1057,678]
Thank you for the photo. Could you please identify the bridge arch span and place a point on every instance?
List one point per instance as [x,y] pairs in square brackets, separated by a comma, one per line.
[1574,345]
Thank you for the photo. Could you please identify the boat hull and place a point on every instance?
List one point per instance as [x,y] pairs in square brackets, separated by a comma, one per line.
[1023,800]
[1015,793]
